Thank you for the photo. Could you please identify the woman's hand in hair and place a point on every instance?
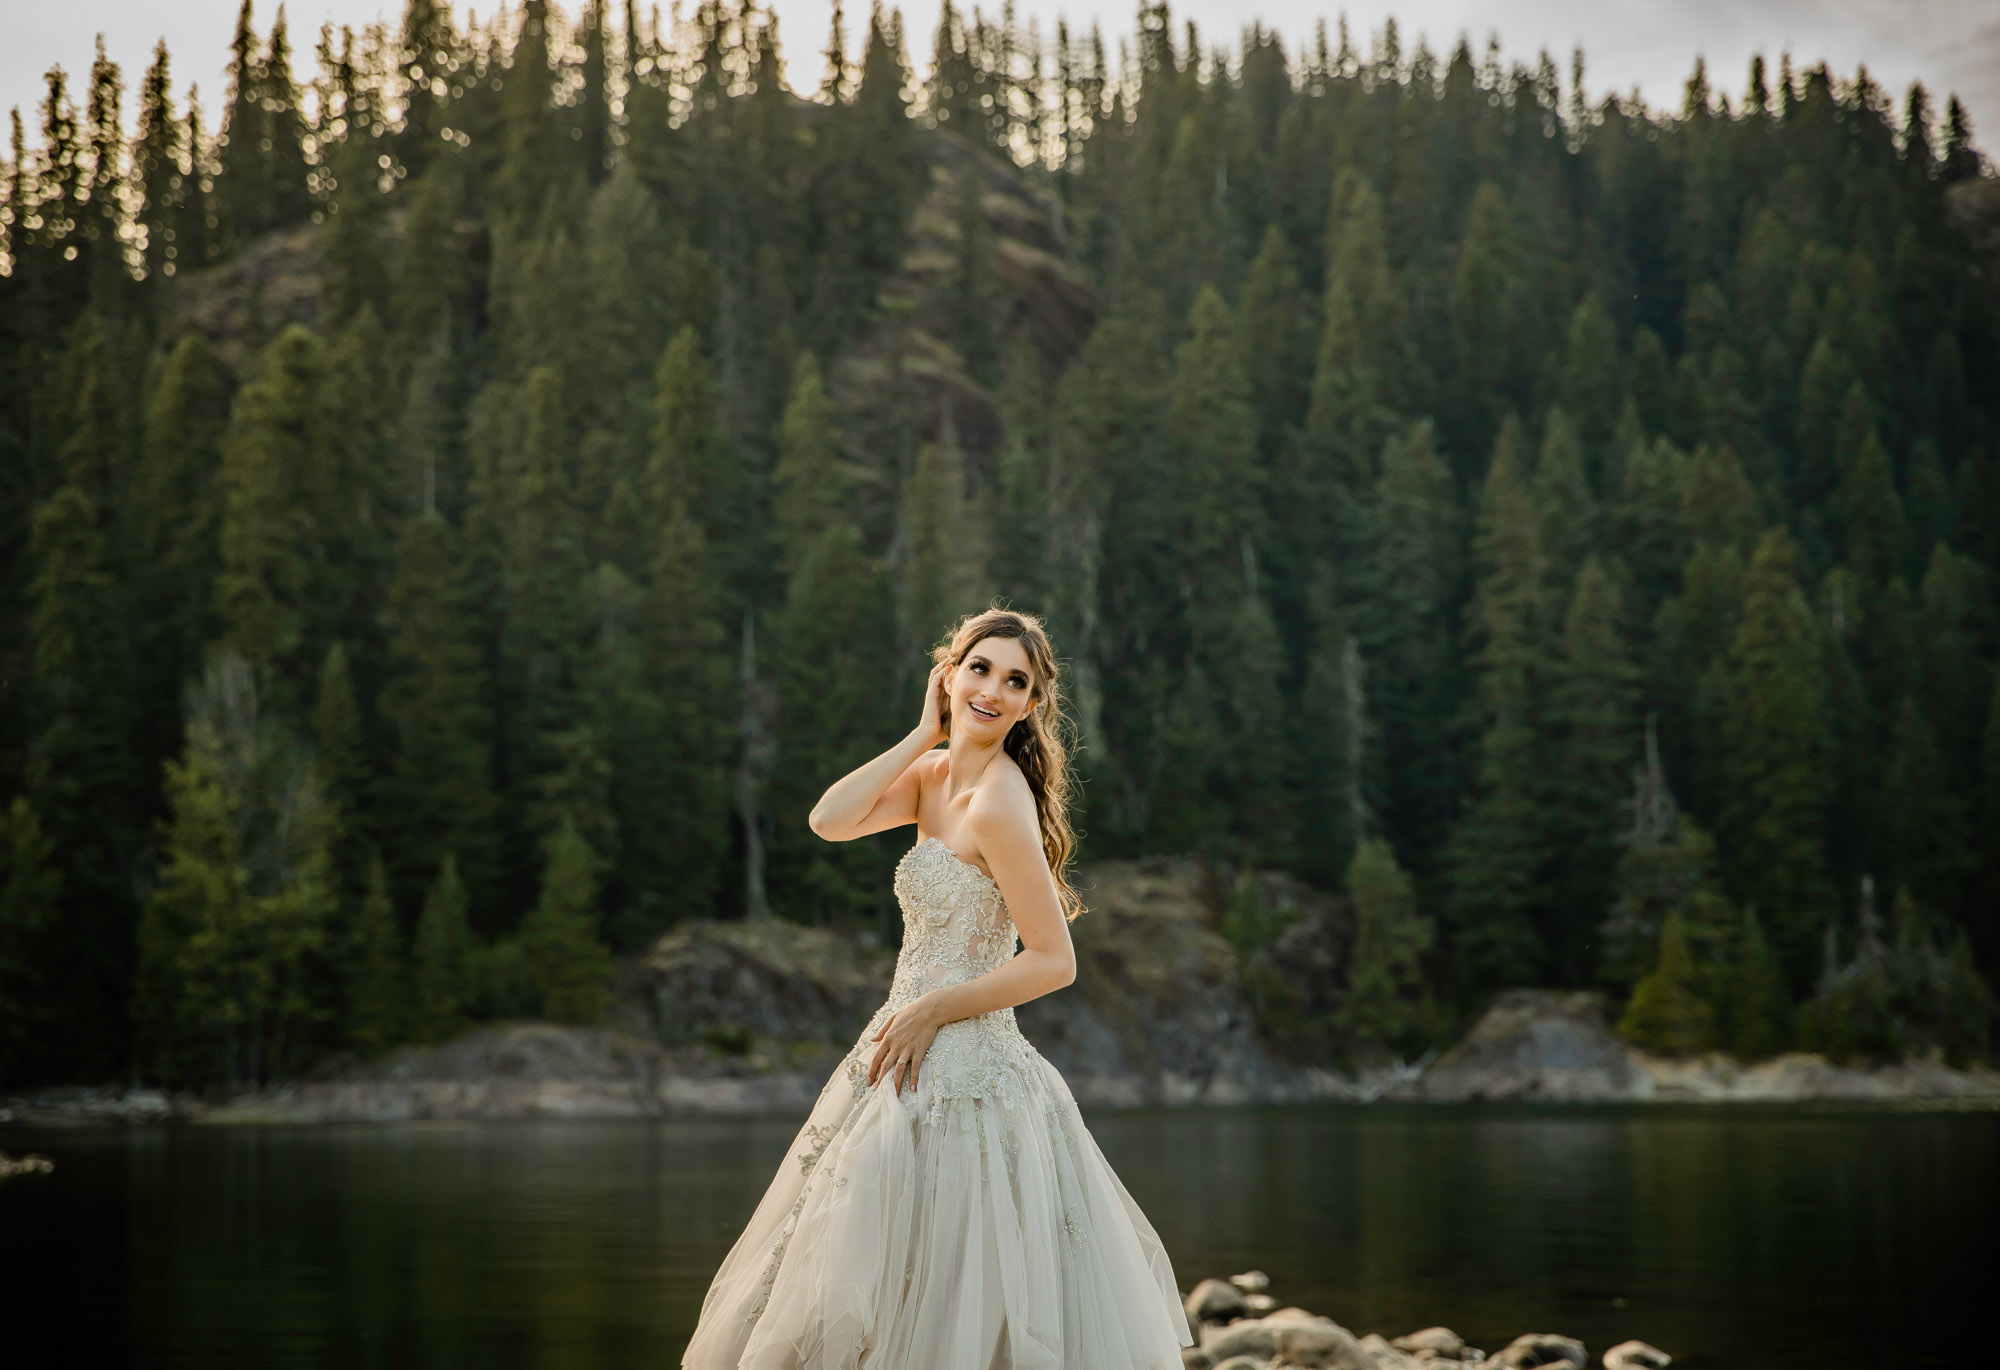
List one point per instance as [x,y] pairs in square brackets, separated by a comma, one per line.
[936,700]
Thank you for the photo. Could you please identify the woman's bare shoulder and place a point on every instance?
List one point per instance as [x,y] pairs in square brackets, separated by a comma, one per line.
[1004,797]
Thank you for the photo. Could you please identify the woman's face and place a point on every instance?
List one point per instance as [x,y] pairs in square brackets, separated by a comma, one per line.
[991,689]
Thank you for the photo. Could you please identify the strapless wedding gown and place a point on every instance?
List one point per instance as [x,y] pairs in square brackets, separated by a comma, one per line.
[969,1223]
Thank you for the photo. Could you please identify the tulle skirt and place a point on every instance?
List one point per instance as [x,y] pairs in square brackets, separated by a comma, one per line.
[970,1223]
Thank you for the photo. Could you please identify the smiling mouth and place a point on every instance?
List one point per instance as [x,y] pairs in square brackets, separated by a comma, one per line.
[981,712]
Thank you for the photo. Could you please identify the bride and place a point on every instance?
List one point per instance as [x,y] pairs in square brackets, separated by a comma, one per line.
[943,1207]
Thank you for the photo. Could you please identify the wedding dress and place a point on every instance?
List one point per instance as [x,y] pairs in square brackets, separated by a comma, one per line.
[968,1223]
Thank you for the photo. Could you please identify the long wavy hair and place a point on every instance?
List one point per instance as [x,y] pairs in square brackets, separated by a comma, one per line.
[1038,742]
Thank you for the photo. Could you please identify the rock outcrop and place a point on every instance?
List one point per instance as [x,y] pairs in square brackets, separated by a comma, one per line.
[1228,1337]
[540,1070]
[1536,1045]
[1553,1046]
[1158,1013]
[728,983]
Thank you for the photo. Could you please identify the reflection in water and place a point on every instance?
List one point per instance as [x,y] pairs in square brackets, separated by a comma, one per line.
[1730,1238]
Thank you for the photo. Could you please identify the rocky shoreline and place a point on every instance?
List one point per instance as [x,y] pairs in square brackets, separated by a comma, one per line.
[752,1017]
[1237,1325]
[544,1070]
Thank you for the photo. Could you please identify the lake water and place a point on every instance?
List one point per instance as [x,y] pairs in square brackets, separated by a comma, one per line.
[1731,1238]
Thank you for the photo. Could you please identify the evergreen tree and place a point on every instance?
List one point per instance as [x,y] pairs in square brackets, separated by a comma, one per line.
[1481,311]
[244,897]
[442,959]
[1772,731]
[1590,725]
[30,948]
[157,184]
[376,993]
[1666,1015]
[570,966]
[973,303]
[533,162]
[1331,757]
[1668,869]
[628,266]
[1410,567]
[1225,716]
[940,574]
[832,623]
[172,529]
[1986,921]
[1589,382]
[554,761]
[428,55]
[282,436]
[868,177]
[80,768]
[591,129]
[1567,505]
[1967,1008]
[434,798]
[1274,334]
[673,743]
[260,174]
[1390,942]
[1758,1008]
[103,227]
[1350,415]
[342,756]
[1645,523]
[1500,850]
[1925,845]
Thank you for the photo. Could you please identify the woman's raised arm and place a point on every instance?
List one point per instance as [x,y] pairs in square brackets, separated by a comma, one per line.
[882,793]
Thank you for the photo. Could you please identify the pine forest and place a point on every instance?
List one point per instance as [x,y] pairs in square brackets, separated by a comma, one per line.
[461,510]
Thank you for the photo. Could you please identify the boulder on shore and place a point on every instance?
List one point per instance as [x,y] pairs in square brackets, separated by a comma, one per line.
[1536,1045]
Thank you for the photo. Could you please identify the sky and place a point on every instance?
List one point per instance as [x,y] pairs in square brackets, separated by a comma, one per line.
[1647,45]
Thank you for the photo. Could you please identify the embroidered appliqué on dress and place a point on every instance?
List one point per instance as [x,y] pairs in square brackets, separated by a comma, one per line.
[955,928]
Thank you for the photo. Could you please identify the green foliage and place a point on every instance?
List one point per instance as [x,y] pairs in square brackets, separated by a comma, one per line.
[442,961]
[1390,942]
[1665,1014]
[245,894]
[1758,1010]
[972,299]
[834,621]
[1590,724]
[1379,456]
[30,885]
[376,971]
[568,965]
[282,439]
[434,798]
[1967,1011]
[1251,921]
[1500,851]
[1411,560]
[1772,731]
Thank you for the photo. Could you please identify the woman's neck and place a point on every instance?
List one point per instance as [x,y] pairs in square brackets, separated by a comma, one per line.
[965,762]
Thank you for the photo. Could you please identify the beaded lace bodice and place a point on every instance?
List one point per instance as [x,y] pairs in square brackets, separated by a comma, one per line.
[955,924]
[955,928]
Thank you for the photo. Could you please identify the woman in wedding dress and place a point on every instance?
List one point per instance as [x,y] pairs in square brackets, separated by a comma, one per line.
[943,1208]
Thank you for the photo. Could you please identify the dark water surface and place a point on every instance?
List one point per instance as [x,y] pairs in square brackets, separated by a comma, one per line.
[1756,1239]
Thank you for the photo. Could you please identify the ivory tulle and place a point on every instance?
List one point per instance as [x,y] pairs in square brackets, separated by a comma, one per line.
[970,1223]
